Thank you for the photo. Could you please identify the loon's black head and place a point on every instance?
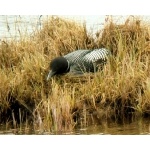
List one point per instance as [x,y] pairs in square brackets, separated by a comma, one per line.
[58,65]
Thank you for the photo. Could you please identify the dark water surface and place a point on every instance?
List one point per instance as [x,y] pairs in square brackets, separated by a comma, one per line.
[134,128]
[139,127]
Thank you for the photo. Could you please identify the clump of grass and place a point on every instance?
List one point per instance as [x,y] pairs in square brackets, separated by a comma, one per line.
[129,68]
[131,37]
[120,89]
[60,36]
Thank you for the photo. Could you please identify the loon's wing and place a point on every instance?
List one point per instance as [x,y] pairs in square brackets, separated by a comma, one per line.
[76,56]
[86,60]
[97,56]
[91,61]
[95,59]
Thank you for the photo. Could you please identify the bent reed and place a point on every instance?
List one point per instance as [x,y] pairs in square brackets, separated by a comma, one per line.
[120,90]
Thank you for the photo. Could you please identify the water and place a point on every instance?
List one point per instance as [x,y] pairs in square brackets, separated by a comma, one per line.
[13,26]
[134,128]
[16,25]
[139,127]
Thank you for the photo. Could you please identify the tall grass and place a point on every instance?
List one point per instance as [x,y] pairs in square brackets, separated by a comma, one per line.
[120,89]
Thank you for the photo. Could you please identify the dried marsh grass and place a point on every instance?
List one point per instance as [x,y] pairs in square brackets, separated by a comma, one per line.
[120,89]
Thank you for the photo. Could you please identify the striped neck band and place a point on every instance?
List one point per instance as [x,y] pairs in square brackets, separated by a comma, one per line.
[68,66]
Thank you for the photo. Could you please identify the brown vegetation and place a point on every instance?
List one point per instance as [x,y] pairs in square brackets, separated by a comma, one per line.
[121,89]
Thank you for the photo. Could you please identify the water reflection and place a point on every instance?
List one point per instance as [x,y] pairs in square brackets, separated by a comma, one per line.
[134,128]
[139,127]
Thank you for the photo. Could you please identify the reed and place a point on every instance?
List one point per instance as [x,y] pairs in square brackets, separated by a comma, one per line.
[122,88]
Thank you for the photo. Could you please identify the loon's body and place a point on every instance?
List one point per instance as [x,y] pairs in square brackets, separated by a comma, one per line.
[79,62]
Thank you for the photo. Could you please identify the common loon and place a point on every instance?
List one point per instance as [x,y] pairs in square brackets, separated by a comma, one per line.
[79,62]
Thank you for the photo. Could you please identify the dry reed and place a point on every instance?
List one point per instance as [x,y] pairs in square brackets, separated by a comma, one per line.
[122,88]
